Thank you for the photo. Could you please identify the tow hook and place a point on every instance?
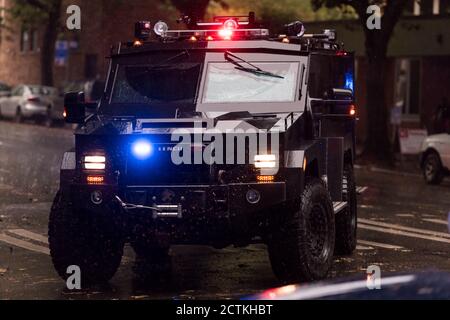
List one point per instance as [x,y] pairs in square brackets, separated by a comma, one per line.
[130,206]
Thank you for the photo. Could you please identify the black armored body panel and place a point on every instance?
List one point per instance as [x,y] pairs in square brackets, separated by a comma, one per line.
[218,135]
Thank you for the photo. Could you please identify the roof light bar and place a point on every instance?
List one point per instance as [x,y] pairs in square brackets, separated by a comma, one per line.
[247,34]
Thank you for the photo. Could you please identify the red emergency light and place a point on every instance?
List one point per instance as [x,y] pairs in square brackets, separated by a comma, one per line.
[228,29]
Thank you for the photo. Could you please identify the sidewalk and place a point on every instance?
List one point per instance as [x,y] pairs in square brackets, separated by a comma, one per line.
[404,164]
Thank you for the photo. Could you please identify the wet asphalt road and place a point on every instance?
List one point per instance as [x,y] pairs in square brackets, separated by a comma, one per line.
[402,229]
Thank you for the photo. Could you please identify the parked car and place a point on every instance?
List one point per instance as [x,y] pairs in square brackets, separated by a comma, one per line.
[4,89]
[435,159]
[33,102]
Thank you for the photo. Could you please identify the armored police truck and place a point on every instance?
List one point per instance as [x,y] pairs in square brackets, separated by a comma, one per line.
[217,134]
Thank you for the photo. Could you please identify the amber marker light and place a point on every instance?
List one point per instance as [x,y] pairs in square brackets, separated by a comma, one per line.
[95,179]
[265,178]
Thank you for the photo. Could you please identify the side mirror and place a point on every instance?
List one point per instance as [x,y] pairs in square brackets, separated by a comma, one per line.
[74,107]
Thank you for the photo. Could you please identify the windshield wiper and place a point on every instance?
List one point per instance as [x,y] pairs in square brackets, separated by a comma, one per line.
[185,53]
[254,69]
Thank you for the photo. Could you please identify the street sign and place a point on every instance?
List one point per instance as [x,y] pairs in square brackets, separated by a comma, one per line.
[61,53]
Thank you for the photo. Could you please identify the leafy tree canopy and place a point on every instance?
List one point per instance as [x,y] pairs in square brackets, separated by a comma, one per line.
[32,12]
[277,13]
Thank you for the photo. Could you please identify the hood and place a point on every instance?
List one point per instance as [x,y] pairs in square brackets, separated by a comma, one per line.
[225,123]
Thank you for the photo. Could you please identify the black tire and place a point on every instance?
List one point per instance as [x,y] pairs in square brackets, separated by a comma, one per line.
[18,117]
[347,219]
[432,168]
[301,241]
[77,237]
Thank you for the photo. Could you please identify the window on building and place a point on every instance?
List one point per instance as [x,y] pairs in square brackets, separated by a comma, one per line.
[409,8]
[28,40]
[407,91]
[426,7]
[33,43]
[24,40]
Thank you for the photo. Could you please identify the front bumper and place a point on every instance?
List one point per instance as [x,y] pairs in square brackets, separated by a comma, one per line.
[203,214]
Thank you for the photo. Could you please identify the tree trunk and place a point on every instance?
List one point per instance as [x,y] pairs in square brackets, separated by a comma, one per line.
[48,44]
[377,145]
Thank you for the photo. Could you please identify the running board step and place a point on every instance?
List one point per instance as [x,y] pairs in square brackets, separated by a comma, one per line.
[339,206]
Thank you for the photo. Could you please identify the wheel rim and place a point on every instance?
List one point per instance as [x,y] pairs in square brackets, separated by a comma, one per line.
[318,232]
[430,168]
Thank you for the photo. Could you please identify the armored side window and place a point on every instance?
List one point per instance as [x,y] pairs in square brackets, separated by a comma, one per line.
[328,72]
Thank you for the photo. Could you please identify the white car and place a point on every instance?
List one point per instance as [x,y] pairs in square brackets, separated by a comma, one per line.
[32,101]
[435,160]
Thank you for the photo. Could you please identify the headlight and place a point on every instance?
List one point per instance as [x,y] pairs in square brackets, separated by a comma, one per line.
[265,161]
[94,162]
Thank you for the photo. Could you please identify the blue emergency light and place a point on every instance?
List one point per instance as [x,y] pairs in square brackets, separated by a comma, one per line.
[142,149]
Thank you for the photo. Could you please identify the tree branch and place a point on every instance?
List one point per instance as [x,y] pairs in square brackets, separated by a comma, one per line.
[34,3]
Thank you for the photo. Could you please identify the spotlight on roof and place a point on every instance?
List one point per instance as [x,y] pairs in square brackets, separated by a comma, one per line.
[295,29]
[160,28]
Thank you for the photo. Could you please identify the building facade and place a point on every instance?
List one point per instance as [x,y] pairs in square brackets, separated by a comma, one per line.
[81,54]
[417,68]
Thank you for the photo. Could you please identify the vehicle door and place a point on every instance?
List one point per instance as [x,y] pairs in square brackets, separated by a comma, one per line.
[9,106]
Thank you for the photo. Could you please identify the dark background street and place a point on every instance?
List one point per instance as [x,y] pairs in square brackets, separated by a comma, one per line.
[402,228]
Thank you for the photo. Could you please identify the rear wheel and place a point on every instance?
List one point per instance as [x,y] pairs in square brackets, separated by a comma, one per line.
[432,168]
[301,243]
[346,220]
[77,237]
